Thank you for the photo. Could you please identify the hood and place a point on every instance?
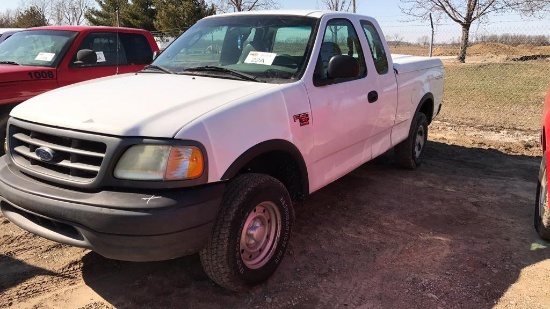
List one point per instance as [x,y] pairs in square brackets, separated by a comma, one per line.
[17,73]
[142,104]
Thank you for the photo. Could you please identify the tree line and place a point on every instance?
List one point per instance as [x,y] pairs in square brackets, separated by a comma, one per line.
[514,39]
[173,16]
[167,16]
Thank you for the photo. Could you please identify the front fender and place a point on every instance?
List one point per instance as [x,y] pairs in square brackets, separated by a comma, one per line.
[229,132]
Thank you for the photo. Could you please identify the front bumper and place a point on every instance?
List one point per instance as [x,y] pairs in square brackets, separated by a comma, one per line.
[145,225]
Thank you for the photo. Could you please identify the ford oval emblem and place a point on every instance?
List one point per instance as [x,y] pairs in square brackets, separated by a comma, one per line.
[45,154]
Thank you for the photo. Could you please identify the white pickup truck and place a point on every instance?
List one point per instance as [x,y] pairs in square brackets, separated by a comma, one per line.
[207,149]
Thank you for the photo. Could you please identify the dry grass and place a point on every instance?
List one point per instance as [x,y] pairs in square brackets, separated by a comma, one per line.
[485,49]
[491,90]
[505,95]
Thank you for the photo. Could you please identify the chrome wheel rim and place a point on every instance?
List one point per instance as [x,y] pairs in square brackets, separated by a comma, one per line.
[419,141]
[543,195]
[260,235]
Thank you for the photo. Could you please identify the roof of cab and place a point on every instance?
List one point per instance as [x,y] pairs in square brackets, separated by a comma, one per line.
[4,30]
[308,13]
[85,28]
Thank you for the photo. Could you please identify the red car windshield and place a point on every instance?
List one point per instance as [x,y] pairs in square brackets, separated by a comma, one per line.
[36,48]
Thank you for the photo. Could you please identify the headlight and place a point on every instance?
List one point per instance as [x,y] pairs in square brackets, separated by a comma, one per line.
[160,162]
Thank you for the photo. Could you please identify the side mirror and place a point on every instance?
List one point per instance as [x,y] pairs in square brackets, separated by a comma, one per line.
[342,66]
[339,67]
[86,56]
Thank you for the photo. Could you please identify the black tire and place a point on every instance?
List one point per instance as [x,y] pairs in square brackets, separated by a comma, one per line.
[409,153]
[233,257]
[542,212]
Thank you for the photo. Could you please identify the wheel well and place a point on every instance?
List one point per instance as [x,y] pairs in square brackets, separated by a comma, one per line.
[427,107]
[279,159]
[281,166]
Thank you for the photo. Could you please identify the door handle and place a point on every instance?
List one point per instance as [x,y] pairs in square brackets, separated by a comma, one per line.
[372,96]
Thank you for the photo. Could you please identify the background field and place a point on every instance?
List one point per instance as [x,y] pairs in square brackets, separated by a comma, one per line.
[495,87]
[506,95]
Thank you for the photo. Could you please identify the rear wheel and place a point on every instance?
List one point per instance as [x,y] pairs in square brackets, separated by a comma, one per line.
[542,212]
[409,152]
[251,232]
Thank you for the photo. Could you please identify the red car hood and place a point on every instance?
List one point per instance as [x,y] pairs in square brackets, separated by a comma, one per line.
[16,73]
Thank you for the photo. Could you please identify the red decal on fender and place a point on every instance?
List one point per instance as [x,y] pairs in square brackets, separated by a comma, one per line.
[303,119]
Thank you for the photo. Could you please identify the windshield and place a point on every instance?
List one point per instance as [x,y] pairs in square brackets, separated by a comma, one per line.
[36,48]
[268,48]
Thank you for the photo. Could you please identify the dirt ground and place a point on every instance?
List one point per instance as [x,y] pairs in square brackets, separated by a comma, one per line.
[455,233]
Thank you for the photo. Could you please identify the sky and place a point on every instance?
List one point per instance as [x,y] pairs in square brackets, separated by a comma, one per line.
[395,24]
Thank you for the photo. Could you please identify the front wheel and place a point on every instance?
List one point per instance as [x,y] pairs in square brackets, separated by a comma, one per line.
[251,232]
[542,212]
[409,152]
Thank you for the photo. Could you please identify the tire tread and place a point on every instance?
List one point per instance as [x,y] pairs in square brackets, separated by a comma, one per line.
[214,257]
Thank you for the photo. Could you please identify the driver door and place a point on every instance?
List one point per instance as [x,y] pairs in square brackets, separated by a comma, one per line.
[345,112]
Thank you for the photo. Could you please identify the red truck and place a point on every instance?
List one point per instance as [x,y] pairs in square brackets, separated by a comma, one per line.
[542,208]
[44,58]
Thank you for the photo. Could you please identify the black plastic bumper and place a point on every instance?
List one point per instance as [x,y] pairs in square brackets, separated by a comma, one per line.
[149,225]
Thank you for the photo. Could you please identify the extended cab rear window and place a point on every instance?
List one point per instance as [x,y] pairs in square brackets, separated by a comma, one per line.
[376,47]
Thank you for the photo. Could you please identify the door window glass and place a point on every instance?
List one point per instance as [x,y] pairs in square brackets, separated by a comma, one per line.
[105,47]
[340,39]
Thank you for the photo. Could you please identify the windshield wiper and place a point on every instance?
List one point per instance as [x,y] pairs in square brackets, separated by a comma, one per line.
[158,68]
[9,62]
[223,70]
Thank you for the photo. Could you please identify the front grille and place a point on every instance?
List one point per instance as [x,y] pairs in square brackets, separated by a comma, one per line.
[74,159]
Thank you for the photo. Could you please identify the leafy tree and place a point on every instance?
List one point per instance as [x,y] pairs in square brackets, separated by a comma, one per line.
[42,6]
[141,14]
[174,16]
[465,12]
[133,14]
[31,17]
[105,14]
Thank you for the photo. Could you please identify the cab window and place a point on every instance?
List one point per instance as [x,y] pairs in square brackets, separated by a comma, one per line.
[105,47]
[133,48]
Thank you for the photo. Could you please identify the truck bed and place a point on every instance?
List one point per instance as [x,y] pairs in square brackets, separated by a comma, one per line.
[408,63]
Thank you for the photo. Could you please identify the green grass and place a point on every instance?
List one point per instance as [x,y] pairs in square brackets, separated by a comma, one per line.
[508,95]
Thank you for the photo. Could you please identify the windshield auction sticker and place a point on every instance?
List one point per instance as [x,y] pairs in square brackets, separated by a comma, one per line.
[44,56]
[260,58]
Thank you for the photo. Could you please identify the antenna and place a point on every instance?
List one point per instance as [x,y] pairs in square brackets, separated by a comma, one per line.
[117,26]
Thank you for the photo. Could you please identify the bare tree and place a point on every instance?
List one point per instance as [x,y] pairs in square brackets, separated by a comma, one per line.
[424,40]
[7,18]
[60,12]
[395,39]
[465,12]
[225,6]
[70,12]
[339,5]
